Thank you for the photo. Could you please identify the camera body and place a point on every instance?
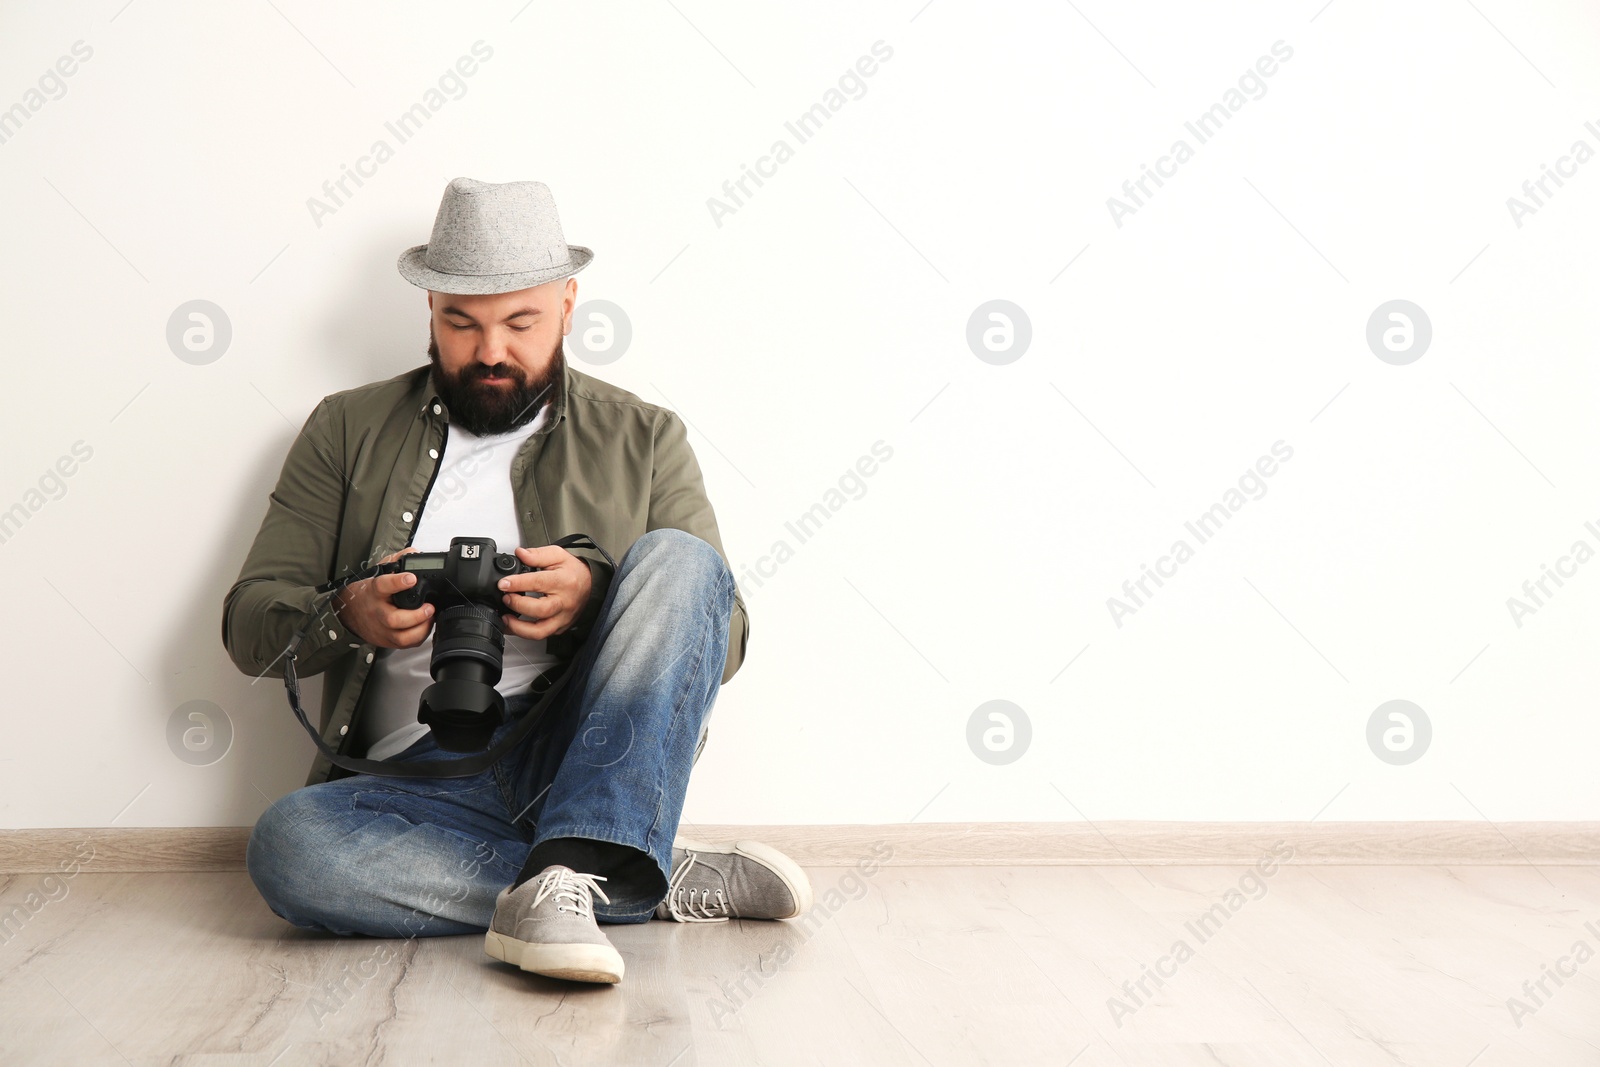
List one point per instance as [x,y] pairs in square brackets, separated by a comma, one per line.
[462,705]
[468,572]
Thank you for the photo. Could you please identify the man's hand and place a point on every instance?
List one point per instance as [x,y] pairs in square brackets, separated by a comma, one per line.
[365,608]
[563,579]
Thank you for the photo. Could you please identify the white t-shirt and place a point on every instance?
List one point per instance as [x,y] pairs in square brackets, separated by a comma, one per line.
[470,497]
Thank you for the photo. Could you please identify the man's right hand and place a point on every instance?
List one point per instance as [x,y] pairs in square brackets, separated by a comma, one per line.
[366,609]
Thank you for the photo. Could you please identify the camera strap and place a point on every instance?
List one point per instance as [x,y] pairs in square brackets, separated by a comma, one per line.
[452,768]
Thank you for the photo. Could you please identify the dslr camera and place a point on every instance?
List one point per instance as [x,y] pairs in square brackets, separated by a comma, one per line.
[462,706]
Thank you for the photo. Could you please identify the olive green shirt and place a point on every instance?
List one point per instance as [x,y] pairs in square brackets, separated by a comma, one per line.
[604,463]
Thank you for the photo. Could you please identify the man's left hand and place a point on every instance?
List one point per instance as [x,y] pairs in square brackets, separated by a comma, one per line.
[563,579]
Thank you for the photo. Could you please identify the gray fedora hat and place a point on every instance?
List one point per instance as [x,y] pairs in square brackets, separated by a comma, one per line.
[493,238]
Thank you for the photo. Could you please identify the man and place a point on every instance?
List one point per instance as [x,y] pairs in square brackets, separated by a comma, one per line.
[497,437]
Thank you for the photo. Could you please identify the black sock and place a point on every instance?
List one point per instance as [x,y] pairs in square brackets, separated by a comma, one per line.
[618,864]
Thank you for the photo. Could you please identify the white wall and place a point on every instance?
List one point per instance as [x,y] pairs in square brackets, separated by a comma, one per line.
[830,312]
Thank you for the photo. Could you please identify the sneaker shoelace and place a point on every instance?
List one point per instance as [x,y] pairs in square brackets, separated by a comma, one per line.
[689,905]
[571,887]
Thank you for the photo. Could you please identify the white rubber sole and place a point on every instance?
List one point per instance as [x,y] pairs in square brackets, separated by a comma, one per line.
[784,867]
[576,963]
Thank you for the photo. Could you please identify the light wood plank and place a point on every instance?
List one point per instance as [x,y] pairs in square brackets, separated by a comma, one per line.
[1407,965]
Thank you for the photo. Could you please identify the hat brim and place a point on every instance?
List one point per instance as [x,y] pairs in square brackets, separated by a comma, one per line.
[415,270]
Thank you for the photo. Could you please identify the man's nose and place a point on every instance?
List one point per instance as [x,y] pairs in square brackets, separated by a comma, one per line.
[494,350]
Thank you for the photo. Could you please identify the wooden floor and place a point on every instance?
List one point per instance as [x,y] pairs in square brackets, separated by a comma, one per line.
[951,965]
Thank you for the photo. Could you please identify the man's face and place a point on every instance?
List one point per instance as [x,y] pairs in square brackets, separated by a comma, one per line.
[494,356]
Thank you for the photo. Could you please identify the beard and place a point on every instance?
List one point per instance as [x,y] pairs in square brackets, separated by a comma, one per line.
[487,409]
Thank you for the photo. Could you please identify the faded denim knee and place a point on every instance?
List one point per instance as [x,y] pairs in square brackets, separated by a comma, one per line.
[681,554]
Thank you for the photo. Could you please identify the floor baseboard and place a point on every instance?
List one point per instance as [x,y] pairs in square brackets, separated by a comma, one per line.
[222,848]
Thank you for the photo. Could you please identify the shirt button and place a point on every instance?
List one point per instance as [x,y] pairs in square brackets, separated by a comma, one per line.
[332,634]
[343,730]
[433,453]
[406,516]
[369,657]
[436,409]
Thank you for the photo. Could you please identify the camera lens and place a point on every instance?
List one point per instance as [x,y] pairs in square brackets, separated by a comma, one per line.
[462,705]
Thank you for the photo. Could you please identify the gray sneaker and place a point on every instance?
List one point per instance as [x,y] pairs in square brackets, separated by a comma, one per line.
[546,925]
[740,880]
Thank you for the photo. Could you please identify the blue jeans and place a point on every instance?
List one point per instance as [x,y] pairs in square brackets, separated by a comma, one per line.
[409,857]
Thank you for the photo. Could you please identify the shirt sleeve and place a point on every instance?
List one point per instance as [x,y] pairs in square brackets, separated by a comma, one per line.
[678,501]
[294,551]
